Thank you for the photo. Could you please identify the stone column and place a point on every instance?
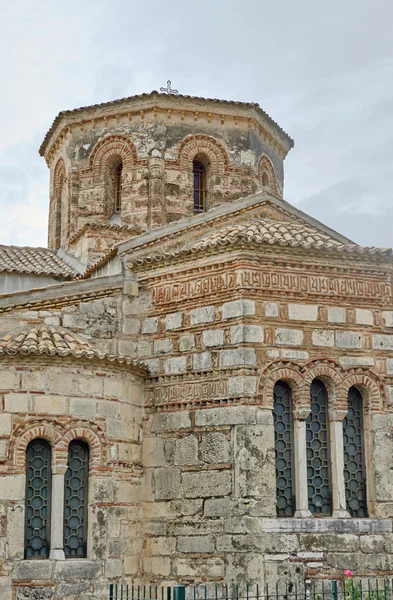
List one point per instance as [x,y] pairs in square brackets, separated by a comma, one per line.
[57,512]
[336,418]
[300,456]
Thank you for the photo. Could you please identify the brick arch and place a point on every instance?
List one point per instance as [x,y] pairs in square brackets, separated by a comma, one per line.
[266,169]
[331,374]
[59,176]
[89,433]
[286,371]
[204,147]
[106,149]
[51,431]
[369,385]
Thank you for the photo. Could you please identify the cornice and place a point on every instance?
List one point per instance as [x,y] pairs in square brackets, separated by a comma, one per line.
[151,105]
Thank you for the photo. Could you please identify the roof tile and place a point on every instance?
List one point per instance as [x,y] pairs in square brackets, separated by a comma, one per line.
[34,261]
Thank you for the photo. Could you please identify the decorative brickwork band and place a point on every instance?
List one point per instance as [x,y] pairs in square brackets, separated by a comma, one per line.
[285,371]
[370,386]
[107,149]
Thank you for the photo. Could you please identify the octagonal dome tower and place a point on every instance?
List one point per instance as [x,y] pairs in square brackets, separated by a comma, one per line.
[124,167]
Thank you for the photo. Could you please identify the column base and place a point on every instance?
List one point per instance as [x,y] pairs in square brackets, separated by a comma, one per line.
[57,554]
[303,513]
[341,513]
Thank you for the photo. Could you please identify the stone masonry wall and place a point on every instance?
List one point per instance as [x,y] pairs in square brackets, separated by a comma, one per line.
[60,399]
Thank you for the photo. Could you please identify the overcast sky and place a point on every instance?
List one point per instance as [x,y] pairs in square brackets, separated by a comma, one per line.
[322,70]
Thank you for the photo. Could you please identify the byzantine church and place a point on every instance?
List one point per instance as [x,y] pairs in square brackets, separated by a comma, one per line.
[196,378]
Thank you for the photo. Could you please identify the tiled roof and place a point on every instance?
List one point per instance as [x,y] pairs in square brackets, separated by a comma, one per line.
[147,96]
[57,341]
[265,231]
[35,261]
[137,229]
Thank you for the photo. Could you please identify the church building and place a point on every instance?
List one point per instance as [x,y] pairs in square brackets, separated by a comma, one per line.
[196,378]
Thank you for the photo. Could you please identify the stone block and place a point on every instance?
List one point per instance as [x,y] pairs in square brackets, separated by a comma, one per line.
[16,525]
[83,407]
[242,385]
[323,337]
[215,448]
[115,428]
[205,314]
[218,507]
[238,308]
[166,483]
[131,325]
[336,314]
[389,366]
[202,361]
[12,487]
[150,325]
[348,339]
[63,383]
[153,452]
[5,424]
[387,318]
[202,484]
[16,403]
[163,346]
[175,365]
[77,569]
[9,380]
[34,381]
[246,333]
[228,415]
[294,354]
[113,567]
[303,312]
[271,309]
[236,357]
[196,544]
[363,316]
[72,590]
[174,320]
[162,546]
[213,337]
[153,364]
[89,386]
[187,507]
[33,569]
[186,451]
[289,337]
[162,422]
[103,489]
[255,461]
[108,408]
[3,448]
[211,568]
[352,361]
[186,343]
[144,348]
[382,341]
[54,405]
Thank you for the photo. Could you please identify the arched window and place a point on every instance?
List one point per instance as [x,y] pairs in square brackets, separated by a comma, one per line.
[38,499]
[318,459]
[200,186]
[282,416]
[117,187]
[75,501]
[354,460]
[265,179]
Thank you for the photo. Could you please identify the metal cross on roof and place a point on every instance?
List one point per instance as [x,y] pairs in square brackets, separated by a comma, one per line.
[168,89]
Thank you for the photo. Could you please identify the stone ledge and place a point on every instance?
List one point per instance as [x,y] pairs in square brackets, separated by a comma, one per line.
[327,525]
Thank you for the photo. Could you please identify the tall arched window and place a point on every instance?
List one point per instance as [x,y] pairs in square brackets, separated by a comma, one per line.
[318,459]
[38,499]
[75,502]
[282,416]
[265,179]
[117,187]
[354,459]
[200,186]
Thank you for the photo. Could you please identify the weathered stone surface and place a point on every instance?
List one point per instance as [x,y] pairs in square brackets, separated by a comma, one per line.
[246,333]
[363,316]
[303,312]
[186,452]
[167,483]
[255,462]
[163,346]
[175,365]
[204,314]
[213,337]
[150,325]
[202,360]
[323,337]
[240,356]
[186,343]
[196,544]
[238,308]
[215,448]
[242,385]
[382,342]
[336,314]
[348,339]
[271,309]
[203,484]
[289,337]
[174,320]
[231,415]
[169,422]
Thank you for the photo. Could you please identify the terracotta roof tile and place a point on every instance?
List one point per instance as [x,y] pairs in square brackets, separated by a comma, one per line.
[35,261]
[57,341]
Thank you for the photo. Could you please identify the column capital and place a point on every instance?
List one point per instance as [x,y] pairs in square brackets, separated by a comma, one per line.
[337,414]
[59,469]
[300,413]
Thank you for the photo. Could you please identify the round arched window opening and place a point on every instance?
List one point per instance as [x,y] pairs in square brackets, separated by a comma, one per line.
[117,186]
[200,186]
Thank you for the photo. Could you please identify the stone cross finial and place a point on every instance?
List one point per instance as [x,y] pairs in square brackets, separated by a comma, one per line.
[168,89]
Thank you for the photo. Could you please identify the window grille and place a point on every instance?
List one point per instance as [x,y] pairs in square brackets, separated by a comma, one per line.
[200,191]
[317,444]
[75,504]
[38,499]
[282,416]
[354,460]
[118,173]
